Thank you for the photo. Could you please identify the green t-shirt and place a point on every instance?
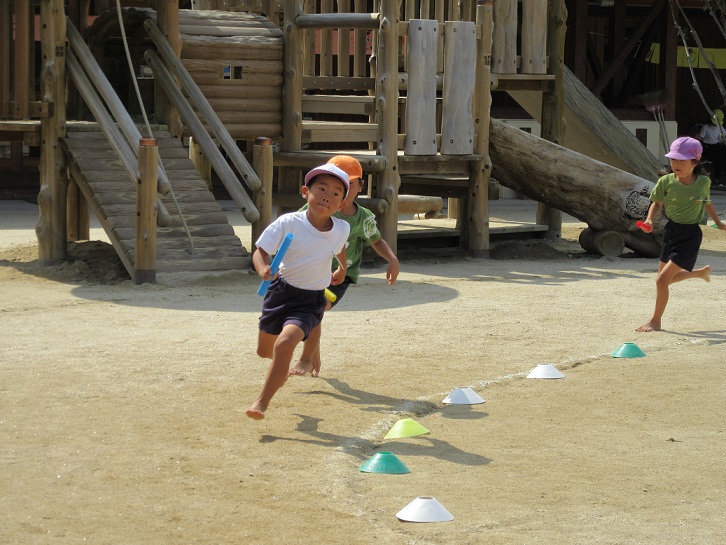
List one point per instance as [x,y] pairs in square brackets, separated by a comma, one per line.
[363,231]
[683,203]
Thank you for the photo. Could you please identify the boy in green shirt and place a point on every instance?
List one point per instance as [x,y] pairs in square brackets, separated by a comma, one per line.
[363,231]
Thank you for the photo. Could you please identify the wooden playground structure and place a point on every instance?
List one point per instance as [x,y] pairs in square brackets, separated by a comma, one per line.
[404,86]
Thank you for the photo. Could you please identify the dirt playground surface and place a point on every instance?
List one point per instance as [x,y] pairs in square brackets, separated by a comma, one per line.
[122,406]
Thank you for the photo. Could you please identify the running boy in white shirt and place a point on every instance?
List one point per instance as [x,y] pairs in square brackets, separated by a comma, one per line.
[295,301]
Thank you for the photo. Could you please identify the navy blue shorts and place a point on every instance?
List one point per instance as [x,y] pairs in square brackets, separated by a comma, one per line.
[340,290]
[285,304]
[681,243]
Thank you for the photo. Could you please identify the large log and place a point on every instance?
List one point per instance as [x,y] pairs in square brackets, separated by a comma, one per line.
[604,197]
[418,204]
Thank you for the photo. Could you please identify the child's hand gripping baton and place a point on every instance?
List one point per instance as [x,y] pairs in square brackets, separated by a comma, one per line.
[275,265]
[644,226]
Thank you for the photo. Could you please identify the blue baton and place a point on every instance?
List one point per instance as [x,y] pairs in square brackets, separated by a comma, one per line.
[275,265]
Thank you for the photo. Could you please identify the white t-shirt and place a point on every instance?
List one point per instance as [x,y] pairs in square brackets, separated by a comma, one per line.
[308,260]
[710,134]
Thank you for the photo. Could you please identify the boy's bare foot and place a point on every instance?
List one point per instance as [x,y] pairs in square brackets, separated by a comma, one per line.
[650,326]
[302,368]
[256,412]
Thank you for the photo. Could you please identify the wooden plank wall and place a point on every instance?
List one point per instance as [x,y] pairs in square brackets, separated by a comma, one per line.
[237,64]
[533,57]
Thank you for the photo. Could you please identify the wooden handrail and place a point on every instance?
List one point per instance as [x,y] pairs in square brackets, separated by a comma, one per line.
[115,106]
[367,21]
[109,128]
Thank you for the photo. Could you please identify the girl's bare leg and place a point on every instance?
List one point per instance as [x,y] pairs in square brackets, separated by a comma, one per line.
[669,273]
[276,377]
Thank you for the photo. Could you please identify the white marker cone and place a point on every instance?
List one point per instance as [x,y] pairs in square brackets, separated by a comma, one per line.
[463,396]
[545,370]
[424,509]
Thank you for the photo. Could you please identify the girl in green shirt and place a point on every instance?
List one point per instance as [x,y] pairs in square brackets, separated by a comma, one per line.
[685,196]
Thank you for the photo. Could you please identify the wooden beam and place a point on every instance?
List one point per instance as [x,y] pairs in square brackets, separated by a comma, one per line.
[634,40]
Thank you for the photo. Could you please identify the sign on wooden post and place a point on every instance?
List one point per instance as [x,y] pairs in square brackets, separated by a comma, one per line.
[145,252]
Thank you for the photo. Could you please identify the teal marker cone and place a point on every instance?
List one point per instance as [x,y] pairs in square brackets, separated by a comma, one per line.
[628,350]
[384,462]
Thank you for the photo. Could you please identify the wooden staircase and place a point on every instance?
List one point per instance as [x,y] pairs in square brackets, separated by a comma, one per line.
[99,174]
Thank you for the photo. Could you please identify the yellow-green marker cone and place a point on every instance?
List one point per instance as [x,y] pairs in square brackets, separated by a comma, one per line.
[406,427]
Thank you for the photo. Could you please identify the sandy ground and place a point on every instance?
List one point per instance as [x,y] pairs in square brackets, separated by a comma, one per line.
[122,406]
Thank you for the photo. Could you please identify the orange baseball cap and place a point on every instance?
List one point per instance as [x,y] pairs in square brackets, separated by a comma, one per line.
[349,165]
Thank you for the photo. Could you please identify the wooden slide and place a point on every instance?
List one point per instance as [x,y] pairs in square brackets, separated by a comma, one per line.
[592,130]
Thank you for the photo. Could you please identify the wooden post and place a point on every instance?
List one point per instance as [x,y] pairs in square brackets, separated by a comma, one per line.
[579,37]
[668,60]
[262,162]
[359,41]
[79,221]
[480,171]
[201,163]
[5,47]
[51,228]
[326,42]
[343,42]
[387,118]
[145,251]
[309,37]
[167,19]
[553,102]
[78,216]
[293,59]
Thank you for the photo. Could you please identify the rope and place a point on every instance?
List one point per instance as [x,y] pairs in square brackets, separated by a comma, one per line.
[146,119]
